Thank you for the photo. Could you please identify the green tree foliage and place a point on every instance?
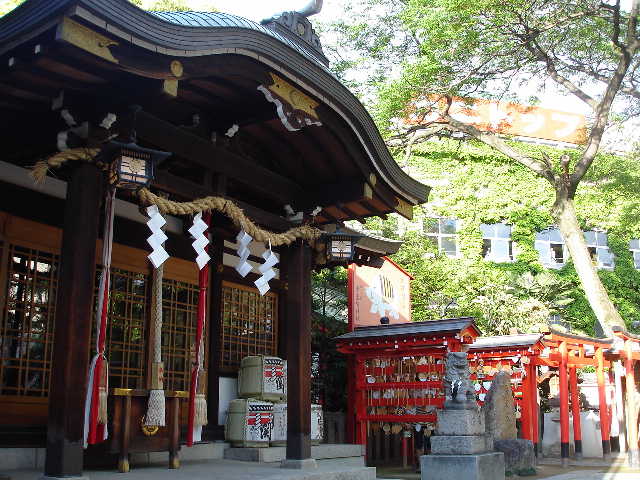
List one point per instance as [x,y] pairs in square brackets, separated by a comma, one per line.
[329,305]
[475,184]
[329,293]
[426,49]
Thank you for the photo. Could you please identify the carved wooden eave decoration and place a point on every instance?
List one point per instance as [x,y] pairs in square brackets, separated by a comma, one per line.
[228,70]
[294,108]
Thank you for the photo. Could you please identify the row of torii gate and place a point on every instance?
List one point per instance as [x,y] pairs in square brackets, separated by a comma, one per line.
[562,353]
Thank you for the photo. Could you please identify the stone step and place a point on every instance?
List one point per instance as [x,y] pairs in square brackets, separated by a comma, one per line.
[199,451]
[277,454]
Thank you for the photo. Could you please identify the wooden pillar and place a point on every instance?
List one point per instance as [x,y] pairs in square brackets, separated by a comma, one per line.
[298,325]
[575,411]
[74,303]
[351,364]
[214,325]
[632,407]
[564,406]
[602,401]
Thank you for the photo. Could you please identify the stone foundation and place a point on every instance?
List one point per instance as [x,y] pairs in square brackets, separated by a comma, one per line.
[483,466]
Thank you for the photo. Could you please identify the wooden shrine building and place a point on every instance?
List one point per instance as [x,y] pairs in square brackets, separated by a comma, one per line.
[248,114]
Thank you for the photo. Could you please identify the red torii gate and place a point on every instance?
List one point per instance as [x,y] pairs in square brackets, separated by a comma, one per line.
[627,349]
[567,353]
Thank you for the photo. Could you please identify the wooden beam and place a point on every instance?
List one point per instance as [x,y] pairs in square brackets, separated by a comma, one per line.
[297,266]
[203,153]
[347,191]
[72,326]
[188,189]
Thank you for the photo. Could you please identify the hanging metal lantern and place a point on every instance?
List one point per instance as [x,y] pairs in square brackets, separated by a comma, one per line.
[132,166]
[341,246]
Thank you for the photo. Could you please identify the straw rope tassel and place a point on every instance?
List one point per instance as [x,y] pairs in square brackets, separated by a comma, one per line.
[156,407]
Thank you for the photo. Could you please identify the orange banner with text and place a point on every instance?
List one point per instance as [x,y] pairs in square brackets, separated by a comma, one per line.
[505,118]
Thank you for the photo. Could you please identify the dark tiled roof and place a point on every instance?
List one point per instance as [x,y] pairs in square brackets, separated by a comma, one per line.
[448,325]
[226,20]
[497,341]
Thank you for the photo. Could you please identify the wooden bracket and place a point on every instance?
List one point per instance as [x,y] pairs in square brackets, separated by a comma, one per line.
[83,37]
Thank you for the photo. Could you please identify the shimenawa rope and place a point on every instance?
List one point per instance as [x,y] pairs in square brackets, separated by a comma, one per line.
[234,213]
[220,204]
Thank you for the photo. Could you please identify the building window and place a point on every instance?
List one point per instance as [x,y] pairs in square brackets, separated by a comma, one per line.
[26,320]
[597,243]
[179,321]
[443,233]
[126,340]
[496,242]
[249,324]
[634,246]
[550,245]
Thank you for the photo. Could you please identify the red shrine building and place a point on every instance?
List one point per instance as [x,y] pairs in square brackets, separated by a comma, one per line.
[125,110]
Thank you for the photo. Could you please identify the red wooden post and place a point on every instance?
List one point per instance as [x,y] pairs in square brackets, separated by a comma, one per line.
[360,406]
[632,408]
[405,452]
[535,407]
[525,412]
[564,406]
[602,400]
[575,411]
[76,279]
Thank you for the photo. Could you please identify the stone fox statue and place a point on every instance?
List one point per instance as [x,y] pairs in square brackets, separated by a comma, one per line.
[457,386]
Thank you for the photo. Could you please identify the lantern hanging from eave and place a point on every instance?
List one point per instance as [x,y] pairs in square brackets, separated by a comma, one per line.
[340,245]
[131,166]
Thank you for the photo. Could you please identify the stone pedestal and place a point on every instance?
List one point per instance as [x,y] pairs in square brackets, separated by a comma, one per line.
[461,449]
[482,466]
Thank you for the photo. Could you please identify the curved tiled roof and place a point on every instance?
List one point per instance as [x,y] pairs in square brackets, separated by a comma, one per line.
[226,20]
[446,325]
[191,34]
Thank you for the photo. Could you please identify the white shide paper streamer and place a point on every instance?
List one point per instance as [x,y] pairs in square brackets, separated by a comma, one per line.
[243,239]
[200,240]
[159,255]
[266,269]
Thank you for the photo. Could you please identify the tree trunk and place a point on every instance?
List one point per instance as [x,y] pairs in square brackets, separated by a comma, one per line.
[565,214]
